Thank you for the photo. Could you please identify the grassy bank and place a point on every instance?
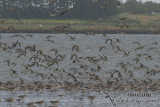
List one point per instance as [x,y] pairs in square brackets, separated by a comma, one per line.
[135,22]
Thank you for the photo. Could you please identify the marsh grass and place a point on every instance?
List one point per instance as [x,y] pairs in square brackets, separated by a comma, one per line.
[135,22]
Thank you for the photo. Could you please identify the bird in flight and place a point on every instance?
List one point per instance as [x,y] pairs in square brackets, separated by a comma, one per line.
[10,28]
[105,4]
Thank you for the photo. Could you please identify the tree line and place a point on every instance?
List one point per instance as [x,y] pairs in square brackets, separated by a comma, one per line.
[79,9]
[140,7]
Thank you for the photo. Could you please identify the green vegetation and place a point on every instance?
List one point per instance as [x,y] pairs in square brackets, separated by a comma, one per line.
[87,15]
[135,22]
[80,9]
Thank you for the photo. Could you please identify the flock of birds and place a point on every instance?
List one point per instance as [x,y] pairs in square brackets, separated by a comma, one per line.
[56,65]
[28,67]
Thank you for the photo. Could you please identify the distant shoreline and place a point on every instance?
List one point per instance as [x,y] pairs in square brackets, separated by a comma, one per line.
[89,32]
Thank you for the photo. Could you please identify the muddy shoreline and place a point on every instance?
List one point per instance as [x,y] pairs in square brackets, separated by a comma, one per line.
[89,32]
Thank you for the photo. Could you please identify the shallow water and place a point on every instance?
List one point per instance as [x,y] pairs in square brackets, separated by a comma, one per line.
[78,99]
[89,46]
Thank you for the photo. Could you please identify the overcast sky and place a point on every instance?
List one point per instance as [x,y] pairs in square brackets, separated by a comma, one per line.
[158,1]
